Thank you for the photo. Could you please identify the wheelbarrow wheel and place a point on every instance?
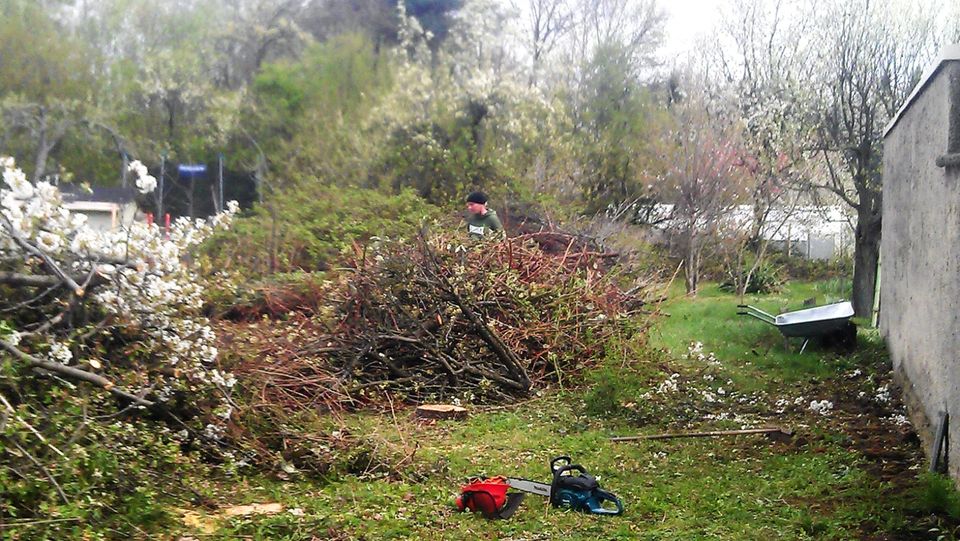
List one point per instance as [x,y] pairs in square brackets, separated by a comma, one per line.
[843,339]
[848,337]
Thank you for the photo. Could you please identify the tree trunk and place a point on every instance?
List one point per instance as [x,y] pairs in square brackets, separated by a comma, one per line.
[865,257]
[43,149]
[692,266]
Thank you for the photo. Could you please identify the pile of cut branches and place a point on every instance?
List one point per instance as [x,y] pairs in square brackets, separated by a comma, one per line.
[434,319]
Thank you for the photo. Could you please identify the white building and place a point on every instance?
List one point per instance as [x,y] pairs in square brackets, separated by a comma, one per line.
[811,232]
[106,208]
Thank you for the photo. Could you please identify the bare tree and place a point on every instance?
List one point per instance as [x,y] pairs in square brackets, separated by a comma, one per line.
[257,31]
[635,24]
[632,27]
[868,59]
[545,23]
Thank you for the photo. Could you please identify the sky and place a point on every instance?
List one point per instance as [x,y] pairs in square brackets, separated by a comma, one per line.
[686,20]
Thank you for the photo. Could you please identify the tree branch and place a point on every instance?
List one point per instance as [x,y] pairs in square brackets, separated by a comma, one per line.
[17,279]
[50,263]
[73,373]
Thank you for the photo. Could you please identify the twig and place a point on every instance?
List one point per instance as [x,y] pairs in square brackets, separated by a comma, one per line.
[32,522]
[45,471]
[47,260]
[29,427]
[396,425]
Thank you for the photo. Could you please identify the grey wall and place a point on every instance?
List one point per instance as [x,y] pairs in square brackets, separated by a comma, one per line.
[920,282]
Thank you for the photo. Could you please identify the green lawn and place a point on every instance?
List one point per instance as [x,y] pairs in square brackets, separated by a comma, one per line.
[753,352]
[822,484]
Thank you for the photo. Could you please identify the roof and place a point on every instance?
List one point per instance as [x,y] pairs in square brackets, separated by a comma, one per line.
[107,194]
[92,206]
[947,54]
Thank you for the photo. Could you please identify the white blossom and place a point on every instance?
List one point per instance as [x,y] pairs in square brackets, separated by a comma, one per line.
[146,183]
[60,353]
[669,385]
[151,290]
[899,419]
[823,407]
[883,394]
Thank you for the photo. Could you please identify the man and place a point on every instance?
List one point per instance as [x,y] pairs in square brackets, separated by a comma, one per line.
[481,221]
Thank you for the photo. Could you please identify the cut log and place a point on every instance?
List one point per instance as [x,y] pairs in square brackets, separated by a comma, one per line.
[440,411]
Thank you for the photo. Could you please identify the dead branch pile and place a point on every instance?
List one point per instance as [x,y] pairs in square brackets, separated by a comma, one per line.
[431,318]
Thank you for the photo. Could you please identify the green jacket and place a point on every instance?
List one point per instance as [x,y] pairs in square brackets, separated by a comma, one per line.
[483,226]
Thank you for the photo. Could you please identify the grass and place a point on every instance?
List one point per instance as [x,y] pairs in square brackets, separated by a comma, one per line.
[823,484]
[741,489]
[754,353]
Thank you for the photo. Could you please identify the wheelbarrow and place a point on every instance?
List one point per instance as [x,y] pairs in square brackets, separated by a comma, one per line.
[830,324]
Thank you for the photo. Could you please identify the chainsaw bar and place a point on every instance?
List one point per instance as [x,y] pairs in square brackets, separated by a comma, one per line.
[533,487]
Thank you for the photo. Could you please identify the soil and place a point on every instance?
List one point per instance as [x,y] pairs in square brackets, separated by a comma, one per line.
[892,452]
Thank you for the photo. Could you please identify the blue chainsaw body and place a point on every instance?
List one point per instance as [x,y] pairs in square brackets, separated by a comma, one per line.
[574,488]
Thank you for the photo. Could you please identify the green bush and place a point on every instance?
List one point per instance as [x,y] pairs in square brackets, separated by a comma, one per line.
[839,288]
[441,164]
[801,268]
[938,495]
[307,229]
[91,473]
[766,279]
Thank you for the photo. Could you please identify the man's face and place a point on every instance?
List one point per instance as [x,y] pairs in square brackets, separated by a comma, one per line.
[476,208]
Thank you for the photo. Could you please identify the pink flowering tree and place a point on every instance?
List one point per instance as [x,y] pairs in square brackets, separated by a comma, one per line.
[704,175]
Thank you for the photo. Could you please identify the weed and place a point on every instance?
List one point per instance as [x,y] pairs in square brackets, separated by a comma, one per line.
[938,495]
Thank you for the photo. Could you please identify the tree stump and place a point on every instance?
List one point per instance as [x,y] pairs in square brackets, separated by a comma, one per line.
[440,411]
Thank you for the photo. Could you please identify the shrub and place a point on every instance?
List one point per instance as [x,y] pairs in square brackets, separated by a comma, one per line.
[767,278]
[937,495]
[308,228]
[106,478]
[801,268]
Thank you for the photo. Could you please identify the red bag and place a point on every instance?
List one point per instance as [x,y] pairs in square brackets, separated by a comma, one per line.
[489,496]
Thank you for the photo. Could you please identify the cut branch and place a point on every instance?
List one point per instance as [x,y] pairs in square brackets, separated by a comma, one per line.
[17,279]
[73,373]
[47,260]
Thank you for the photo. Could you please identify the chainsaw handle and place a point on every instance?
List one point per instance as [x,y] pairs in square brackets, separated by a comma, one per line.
[596,503]
[553,463]
[557,472]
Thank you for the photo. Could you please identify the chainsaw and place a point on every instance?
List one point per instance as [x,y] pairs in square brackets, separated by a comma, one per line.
[572,488]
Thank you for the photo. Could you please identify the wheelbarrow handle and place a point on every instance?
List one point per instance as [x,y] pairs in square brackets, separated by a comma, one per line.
[753,311]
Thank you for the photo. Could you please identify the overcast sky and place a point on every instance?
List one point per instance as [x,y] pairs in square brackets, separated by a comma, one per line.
[686,20]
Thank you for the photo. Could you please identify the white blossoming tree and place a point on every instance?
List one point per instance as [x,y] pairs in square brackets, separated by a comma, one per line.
[117,310]
[463,115]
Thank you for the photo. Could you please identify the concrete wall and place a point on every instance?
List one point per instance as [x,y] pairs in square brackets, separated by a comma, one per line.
[920,282]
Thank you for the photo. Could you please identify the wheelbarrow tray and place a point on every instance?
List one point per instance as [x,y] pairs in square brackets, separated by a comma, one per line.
[806,323]
[815,321]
